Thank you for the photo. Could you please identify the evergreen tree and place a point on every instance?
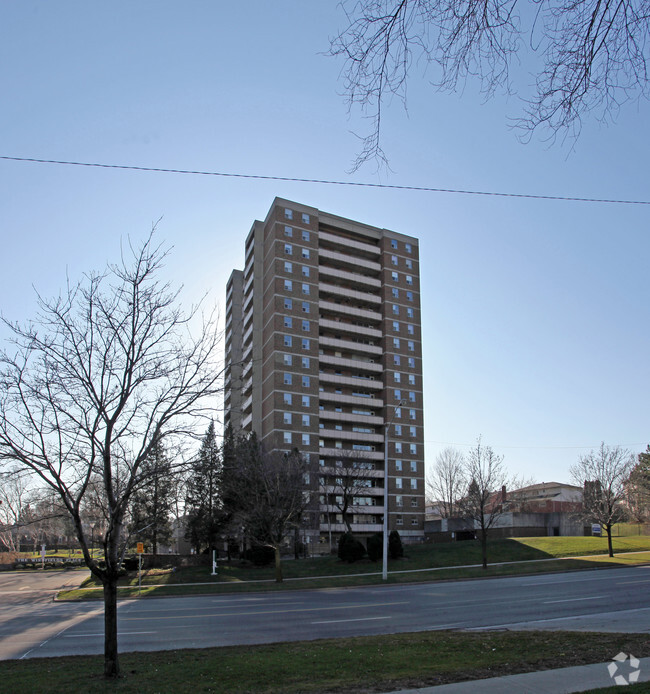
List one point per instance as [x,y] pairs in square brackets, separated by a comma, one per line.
[203,506]
[152,502]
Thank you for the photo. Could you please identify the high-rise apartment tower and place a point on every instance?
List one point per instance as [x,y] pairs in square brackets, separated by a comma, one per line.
[323,354]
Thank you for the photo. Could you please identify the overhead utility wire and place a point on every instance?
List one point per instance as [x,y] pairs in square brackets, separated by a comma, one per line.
[360,184]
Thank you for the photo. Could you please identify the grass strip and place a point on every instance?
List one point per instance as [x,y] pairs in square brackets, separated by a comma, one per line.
[361,664]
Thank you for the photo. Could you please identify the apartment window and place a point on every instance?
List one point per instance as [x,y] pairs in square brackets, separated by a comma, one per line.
[305,220]
[288,231]
[287,340]
[305,381]
[288,267]
[338,427]
[305,252]
[393,259]
[396,359]
[398,446]
[414,466]
[288,285]
[398,482]
[394,276]
[396,342]
[409,312]
[409,296]
[398,429]
[288,322]
[286,418]
[410,329]
[414,483]
[397,376]
[398,394]
[288,304]
[411,362]
[286,358]
[286,397]
[398,412]
[287,379]
[398,465]
[414,502]
[305,362]
[395,326]
[409,263]
[399,521]
[305,343]
[288,249]
[305,307]
[408,248]
[288,214]
[305,400]
[411,414]
[305,271]
[395,293]
[305,289]
[414,521]
[411,346]
[393,243]
[413,448]
[411,379]
[287,437]
[305,420]
[412,431]
[409,279]
[305,326]
[411,396]
[396,309]
[399,501]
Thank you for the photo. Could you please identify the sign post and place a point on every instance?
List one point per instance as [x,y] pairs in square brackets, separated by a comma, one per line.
[214,562]
[140,550]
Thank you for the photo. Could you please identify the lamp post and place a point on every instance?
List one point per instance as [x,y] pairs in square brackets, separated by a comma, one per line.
[384,567]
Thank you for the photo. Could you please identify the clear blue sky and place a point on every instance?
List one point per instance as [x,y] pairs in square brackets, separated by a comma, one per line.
[535,313]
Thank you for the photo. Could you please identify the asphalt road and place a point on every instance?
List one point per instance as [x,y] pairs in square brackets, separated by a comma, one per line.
[31,625]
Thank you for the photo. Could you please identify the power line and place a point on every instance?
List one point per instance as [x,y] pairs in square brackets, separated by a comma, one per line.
[359,184]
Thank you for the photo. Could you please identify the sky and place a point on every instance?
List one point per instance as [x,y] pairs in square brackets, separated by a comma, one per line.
[536,334]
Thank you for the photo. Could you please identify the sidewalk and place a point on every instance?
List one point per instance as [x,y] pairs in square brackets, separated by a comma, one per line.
[572,679]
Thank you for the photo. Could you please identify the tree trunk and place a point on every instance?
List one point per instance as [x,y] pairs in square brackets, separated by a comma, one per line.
[111,665]
[608,527]
[484,548]
[278,565]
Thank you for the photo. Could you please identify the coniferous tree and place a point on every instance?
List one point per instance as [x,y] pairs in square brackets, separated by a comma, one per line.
[152,502]
[203,504]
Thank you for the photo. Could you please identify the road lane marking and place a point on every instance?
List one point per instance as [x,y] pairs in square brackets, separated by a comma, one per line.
[593,597]
[121,633]
[359,619]
[278,611]
[628,583]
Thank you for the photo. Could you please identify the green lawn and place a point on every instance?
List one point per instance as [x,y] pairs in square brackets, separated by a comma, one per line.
[368,664]
[320,572]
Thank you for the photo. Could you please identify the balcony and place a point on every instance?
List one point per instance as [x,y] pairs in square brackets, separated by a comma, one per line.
[343,453]
[351,381]
[351,418]
[350,346]
[375,403]
[347,293]
[339,241]
[337,259]
[350,278]
[357,527]
[329,307]
[351,436]
[351,364]
[340,327]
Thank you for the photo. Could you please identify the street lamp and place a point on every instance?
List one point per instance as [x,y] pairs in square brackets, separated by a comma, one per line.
[384,568]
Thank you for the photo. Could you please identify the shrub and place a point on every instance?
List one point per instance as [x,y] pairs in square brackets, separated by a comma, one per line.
[260,555]
[131,563]
[375,546]
[350,549]
[395,549]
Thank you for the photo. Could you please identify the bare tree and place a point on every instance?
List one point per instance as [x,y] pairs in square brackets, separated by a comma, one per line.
[104,373]
[594,55]
[637,489]
[445,481]
[485,480]
[268,493]
[345,484]
[604,474]
[15,507]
